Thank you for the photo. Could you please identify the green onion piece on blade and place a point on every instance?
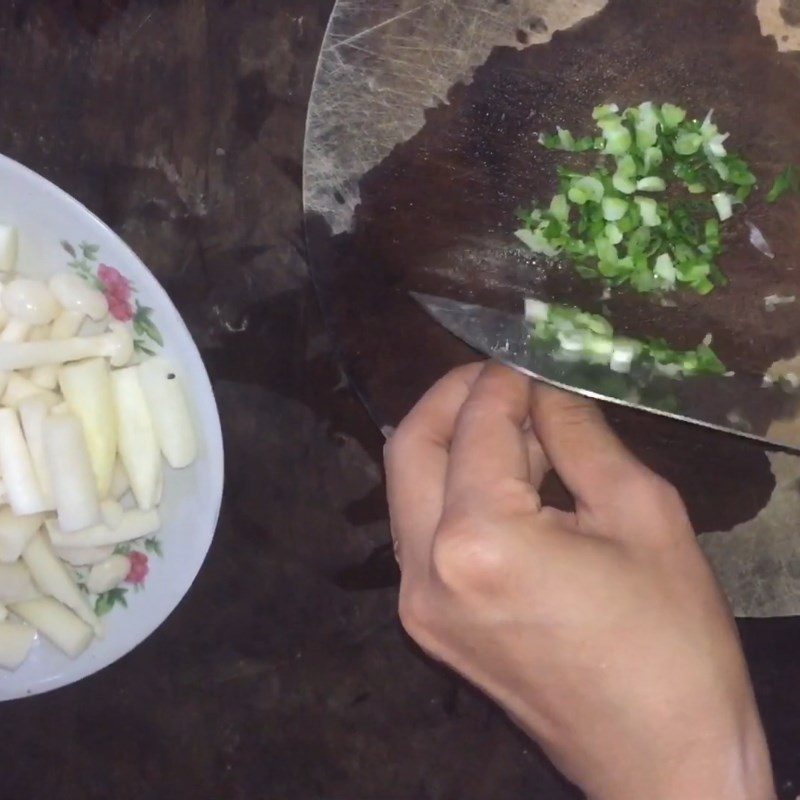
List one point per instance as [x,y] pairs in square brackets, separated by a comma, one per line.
[577,336]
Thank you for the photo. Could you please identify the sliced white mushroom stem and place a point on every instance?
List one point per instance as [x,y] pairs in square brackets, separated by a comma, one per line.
[32,414]
[111,512]
[9,248]
[57,623]
[133,525]
[4,317]
[70,470]
[24,493]
[138,445]
[19,389]
[13,333]
[119,481]
[86,387]
[78,301]
[16,532]
[30,301]
[83,556]
[168,409]
[38,333]
[75,295]
[116,345]
[16,584]
[65,326]
[16,641]
[108,574]
[53,578]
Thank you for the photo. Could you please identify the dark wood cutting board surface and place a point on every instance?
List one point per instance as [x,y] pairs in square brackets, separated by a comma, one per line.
[437,215]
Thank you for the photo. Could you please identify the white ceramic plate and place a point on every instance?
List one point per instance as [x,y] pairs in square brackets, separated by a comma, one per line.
[50,223]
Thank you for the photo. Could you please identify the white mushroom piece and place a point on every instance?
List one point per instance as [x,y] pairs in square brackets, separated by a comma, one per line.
[116,345]
[3,313]
[78,301]
[9,245]
[108,574]
[28,303]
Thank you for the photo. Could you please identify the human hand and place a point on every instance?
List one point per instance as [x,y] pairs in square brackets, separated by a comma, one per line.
[603,632]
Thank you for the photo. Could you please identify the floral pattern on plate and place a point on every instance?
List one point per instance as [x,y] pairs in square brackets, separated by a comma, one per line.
[123,306]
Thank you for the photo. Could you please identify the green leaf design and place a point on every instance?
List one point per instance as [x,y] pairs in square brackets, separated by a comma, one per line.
[106,601]
[89,251]
[140,347]
[122,549]
[68,247]
[152,545]
[144,326]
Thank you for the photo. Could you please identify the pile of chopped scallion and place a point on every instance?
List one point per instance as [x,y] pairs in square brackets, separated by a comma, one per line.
[647,216]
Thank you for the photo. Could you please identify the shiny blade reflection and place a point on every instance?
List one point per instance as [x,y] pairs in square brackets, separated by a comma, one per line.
[739,404]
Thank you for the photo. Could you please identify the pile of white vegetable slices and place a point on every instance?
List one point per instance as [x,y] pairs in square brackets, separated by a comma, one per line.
[85,427]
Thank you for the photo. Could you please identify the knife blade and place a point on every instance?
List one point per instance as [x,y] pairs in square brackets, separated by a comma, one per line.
[740,403]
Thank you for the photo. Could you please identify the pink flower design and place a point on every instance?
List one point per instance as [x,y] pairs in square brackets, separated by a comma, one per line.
[139,567]
[117,289]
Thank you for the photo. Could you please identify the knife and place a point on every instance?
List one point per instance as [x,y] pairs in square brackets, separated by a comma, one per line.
[739,403]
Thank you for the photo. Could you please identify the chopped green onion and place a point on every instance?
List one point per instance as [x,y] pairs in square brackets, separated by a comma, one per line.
[646,127]
[536,310]
[652,243]
[665,270]
[722,202]
[651,184]
[787,181]
[536,242]
[606,252]
[608,110]
[559,208]
[613,233]
[614,208]
[653,158]
[571,341]
[579,336]
[618,139]
[688,143]
[623,184]
[626,166]
[672,115]
[648,208]
[623,353]
[586,189]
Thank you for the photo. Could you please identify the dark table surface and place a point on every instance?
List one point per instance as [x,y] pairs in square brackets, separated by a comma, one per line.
[284,673]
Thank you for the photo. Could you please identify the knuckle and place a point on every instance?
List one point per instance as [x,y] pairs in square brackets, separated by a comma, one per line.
[466,560]
[475,410]
[659,496]
[517,499]
[659,490]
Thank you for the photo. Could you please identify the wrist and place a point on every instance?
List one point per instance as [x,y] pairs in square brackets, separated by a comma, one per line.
[705,771]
